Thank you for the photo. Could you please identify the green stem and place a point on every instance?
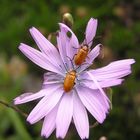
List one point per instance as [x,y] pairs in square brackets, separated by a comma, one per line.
[14,108]
[94,125]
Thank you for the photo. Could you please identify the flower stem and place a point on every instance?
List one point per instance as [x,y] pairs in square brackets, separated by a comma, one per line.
[94,125]
[14,108]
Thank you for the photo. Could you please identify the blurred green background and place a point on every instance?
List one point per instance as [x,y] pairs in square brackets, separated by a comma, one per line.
[119,28]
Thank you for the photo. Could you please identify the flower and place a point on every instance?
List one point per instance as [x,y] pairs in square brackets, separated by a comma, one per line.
[57,106]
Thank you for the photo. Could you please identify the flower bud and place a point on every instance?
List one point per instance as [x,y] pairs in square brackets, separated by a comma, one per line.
[68,19]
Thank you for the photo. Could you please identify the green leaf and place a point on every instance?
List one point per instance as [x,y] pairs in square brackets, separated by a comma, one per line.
[18,125]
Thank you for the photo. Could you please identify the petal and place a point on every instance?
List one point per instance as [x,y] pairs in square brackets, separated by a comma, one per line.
[111,75]
[63,44]
[39,58]
[80,118]
[118,65]
[27,97]
[114,70]
[94,53]
[64,115]
[61,41]
[73,43]
[123,62]
[74,39]
[45,106]
[70,55]
[45,46]
[49,123]
[90,31]
[94,102]
[104,76]
[103,84]
[51,77]
[99,87]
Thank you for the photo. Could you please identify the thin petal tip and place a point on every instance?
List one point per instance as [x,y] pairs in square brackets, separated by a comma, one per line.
[29,120]
[99,47]
[15,101]
[62,25]
[130,61]
[32,28]
[93,19]
[21,45]
[101,121]
[59,137]
[133,61]
[43,134]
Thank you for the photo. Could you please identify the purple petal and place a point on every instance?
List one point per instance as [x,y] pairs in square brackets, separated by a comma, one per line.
[94,102]
[90,31]
[103,84]
[118,65]
[80,118]
[39,58]
[73,41]
[49,123]
[114,70]
[70,54]
[105,76]
[123,62]
[111,75]
[99,87]
[50,78]
[45,46]
[45,106]
[61,41]
[63,44]
[64,115]
[94,53]
[27,97]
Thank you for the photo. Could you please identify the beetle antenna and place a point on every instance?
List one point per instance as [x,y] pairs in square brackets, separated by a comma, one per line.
[97,37]
[78,67]
[81,65]
[65,66]
[75,48]
[70,61]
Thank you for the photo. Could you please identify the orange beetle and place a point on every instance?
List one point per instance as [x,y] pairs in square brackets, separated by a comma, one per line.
[80,57]
[69,80]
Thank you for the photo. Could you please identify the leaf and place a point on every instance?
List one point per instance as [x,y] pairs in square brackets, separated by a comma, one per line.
[18,125]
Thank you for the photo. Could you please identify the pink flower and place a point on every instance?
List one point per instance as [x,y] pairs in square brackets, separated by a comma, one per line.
[58,107]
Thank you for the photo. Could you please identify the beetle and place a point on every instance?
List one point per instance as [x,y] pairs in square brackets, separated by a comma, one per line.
[69,80]
[81,55]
